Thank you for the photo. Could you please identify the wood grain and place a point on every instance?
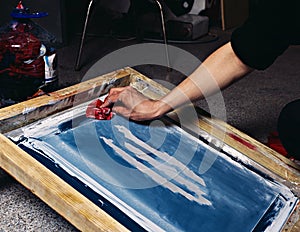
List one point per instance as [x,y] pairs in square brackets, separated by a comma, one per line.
[26,112]
[72,205]
[286,169]
[60,196]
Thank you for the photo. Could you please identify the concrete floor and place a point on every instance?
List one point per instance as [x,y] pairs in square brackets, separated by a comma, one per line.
[252,105]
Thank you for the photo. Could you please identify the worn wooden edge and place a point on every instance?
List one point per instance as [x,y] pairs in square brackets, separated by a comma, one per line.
[287,170]
[293,223]
[235,138]
[260,153]
[26,112]
[51,189]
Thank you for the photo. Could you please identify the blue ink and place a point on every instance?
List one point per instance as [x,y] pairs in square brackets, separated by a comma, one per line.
[151,174]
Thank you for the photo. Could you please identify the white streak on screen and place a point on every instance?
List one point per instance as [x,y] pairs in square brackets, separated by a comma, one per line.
[155,176]
[162,155]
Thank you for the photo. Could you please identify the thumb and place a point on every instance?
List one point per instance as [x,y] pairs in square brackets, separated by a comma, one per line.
[107,102]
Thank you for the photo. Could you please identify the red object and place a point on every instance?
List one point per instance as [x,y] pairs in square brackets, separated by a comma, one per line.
[20,53]
[275,143]
[242,141]
[94,110]
[20,6]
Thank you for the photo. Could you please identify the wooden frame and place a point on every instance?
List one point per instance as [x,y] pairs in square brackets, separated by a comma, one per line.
[76,208]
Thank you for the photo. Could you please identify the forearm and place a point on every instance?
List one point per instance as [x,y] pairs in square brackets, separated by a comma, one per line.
[217,72]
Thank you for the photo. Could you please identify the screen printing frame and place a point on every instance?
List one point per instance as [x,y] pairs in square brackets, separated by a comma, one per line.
[78,209]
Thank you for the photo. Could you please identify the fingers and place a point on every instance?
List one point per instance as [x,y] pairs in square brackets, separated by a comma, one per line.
[129,103]
[113,96]
[106,103]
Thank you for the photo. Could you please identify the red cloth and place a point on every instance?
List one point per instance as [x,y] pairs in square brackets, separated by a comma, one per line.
[275,143]
[94,110]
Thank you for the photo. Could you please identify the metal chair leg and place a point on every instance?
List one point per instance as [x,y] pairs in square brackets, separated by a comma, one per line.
[77,65]
[163,23]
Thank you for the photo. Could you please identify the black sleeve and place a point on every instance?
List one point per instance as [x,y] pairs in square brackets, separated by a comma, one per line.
[266,34]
